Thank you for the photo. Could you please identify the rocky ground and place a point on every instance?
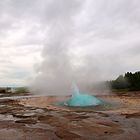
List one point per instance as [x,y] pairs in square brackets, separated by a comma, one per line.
[37,118]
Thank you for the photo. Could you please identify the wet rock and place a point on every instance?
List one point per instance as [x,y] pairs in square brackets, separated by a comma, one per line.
[132,115]
[115,121]
[51,120]
[107,123]
[103,114]
[27,121]
[2,100]
[75,117]
[64,134]
[39,110]
[24,115]
[105,132]
[45,117]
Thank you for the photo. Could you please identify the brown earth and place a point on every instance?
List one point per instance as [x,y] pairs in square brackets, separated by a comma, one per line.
[37,118]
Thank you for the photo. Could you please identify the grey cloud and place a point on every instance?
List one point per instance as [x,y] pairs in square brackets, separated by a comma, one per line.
[134,49]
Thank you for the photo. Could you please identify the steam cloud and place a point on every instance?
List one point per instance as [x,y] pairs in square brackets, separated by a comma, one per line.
[70,34]
[57,72]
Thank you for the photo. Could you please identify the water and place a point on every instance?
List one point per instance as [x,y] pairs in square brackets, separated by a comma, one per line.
[79,99]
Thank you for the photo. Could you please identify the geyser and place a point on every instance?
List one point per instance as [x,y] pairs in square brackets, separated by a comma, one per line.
[79,99]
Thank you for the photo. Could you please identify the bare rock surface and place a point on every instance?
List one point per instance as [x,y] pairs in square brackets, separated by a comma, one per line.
[37,118]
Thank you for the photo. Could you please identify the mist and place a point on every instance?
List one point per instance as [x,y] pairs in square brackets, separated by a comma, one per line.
[62,64]
[84,45]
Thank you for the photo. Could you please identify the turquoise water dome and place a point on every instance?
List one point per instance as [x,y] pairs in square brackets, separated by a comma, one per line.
[82,100]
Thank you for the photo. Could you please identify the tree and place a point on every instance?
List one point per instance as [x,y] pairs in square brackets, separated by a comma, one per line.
[129,81]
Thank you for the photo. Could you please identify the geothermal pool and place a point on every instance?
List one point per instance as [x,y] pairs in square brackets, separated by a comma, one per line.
[80,99]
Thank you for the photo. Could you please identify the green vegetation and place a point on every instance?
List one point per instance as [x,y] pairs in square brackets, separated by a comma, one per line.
[130,81]
[19,90]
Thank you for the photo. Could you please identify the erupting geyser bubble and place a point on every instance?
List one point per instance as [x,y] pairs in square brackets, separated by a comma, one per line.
[82,100]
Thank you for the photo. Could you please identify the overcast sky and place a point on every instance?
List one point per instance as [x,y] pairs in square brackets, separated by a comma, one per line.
[99,39]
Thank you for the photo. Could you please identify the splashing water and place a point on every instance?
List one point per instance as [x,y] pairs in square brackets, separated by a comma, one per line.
[81,99]
[75,90]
